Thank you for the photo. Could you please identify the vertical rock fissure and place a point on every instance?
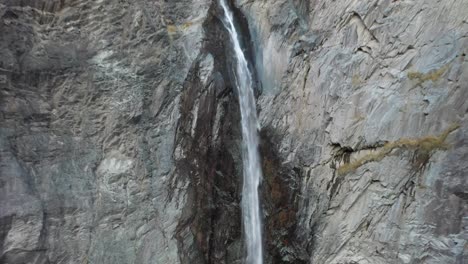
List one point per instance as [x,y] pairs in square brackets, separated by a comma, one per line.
[252,172]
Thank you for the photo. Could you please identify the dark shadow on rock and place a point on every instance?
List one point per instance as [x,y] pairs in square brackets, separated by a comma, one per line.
[280,190]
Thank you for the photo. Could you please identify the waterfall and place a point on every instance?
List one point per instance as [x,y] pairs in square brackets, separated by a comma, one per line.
[251,160]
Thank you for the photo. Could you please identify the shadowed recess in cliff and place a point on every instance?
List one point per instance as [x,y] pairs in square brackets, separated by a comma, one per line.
[280,196]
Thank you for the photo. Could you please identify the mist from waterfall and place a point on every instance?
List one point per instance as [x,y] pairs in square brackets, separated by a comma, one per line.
[251,160]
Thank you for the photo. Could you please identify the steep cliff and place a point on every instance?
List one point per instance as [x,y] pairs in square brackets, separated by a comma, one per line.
[366,103]
[119,134]
[120,137]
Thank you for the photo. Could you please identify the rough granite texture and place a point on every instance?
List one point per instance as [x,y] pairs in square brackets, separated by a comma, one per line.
[341,79]
[107,110]
[119,131]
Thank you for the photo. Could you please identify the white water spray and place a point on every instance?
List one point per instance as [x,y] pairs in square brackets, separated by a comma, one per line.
[250,156]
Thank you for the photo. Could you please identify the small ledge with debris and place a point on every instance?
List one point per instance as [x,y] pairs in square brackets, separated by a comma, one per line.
[423,147]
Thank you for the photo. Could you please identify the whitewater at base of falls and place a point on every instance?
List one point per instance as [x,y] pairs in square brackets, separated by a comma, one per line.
[252,172]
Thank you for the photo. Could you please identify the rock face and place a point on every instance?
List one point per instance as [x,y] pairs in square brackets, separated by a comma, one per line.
[119,131]
[367,102]
[119,134]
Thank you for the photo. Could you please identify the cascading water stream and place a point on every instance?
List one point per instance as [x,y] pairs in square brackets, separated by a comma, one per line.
[250,156]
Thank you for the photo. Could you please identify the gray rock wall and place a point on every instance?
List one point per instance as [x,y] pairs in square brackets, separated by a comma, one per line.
[368,101]
[107,110]
[119,131]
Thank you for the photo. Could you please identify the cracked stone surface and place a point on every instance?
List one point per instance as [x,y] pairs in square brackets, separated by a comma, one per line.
[119,131]
[346,78]
[103,144]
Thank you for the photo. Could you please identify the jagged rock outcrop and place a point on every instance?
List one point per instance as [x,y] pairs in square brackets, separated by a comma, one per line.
[119,131]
